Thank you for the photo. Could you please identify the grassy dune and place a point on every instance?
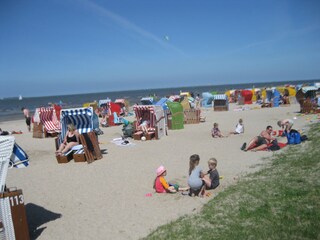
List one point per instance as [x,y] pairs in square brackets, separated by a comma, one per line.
[281,201]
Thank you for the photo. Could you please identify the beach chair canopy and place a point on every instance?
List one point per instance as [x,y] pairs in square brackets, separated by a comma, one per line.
[147,101]
[220,100]
[177,115]
[11,155]
[155,117]
[247,95]
[82,119]
[94,105]
[174,98]
[104,102]
[120,101]
[163,103]
[306,92]
[114,111]
[6,147]
[185,103]
[48,118]
[207,99]
[185,94]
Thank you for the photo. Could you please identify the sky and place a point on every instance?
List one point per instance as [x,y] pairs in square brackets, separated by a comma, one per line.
[59,47]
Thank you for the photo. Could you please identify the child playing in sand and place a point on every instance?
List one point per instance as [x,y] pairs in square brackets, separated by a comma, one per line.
[215,132]
[161,185]
[195,176]
[239,127]
[212,181]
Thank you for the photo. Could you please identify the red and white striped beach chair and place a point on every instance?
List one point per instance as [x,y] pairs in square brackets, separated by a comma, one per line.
[48,118]
[157,125]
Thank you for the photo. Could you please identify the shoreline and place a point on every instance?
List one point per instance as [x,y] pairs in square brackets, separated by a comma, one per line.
[100,195]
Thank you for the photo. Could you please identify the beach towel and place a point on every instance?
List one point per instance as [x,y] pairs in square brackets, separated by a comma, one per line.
[122,142]
[271,148]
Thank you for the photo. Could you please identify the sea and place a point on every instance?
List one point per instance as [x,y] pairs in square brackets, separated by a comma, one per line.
[10,108]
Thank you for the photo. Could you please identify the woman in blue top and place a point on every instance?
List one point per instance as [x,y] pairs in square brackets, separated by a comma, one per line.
[195,175]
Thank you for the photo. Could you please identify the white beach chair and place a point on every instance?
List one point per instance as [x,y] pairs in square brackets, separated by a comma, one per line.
[6,147]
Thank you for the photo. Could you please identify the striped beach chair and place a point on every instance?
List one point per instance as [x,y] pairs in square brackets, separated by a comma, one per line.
[6,147]
[12,213]
[157,126]
[220,102]
[82,119]
[48,118]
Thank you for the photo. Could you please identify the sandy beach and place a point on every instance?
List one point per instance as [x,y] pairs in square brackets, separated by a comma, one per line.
[113,198]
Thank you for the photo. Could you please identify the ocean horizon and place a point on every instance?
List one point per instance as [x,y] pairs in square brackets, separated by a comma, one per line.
[10,108]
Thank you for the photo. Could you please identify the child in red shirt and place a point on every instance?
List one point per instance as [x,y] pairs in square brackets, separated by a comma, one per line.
[162,186]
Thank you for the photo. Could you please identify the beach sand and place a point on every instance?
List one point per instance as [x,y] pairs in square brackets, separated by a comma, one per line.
[113,198]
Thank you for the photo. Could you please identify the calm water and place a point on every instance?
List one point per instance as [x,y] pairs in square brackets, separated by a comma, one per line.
[10,108]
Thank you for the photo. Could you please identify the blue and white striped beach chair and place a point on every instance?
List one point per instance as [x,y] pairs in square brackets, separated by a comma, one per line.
[82,119]
[19,158]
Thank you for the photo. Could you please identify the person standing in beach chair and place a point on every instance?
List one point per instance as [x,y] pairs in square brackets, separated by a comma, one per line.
[71,139]
[260,142]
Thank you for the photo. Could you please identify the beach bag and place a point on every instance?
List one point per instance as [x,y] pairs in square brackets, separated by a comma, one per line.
[294,137]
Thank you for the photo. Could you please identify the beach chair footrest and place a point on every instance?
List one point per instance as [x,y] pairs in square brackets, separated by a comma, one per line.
[137,135]
[64,158]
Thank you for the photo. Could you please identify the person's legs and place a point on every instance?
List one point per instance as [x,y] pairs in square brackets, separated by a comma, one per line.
[28,122]
[182,189]
[68,146]
[252,143]
[207,181]
[261,147]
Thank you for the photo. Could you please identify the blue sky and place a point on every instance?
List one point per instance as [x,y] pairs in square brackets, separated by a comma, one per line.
[59,47]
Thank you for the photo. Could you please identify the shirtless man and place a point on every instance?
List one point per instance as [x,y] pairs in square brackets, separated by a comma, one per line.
[285,124]
[26,114]
[259,142]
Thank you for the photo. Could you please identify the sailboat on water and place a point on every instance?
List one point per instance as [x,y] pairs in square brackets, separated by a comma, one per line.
[20,97]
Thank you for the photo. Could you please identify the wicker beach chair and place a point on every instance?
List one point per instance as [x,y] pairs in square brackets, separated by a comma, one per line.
[49,120]
[82,119]
[6,147]
[7,214]
[157,125]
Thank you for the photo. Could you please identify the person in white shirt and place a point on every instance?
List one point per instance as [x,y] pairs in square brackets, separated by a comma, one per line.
[239,127]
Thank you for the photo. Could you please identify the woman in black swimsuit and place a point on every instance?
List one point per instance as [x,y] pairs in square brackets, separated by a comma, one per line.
[70,140]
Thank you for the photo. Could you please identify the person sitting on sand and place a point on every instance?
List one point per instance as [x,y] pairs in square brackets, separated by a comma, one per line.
[195,181]
[285,124]
[239,127]
[160,184]
[70,140]
[212,181]
[215,132]
[259,142]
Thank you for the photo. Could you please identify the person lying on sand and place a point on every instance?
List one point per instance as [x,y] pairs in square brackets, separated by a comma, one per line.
[259,142]
[4,133]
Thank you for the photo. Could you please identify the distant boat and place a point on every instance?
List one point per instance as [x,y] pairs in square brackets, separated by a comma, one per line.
[20,97]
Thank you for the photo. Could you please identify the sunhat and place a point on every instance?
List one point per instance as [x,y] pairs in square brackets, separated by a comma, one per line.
[160,170]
